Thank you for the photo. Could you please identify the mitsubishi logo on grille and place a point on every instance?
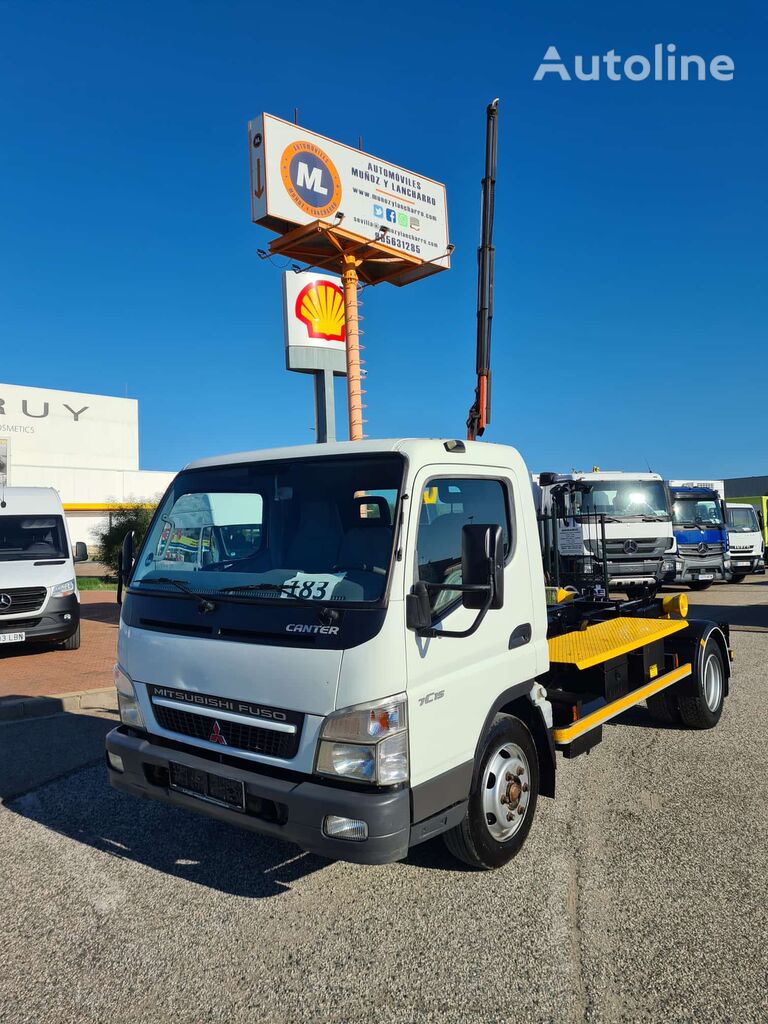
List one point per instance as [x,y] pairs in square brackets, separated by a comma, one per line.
[703,547]
[5,601]
[630,547]
[216,736]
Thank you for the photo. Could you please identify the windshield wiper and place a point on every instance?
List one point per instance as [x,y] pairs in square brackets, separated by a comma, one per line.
[205,603]
[267,588]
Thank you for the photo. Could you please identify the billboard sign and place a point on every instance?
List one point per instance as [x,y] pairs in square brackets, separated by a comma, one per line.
[298,177]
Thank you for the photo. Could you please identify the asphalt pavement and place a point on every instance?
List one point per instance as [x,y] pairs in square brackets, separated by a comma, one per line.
[639,896]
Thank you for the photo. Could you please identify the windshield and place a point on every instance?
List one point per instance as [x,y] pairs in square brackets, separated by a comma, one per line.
[742,520]
[621,499]
[697,512]
[318,530]
[29,538]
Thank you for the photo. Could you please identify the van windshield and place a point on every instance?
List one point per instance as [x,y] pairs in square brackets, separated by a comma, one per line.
[318,529]
[28,538]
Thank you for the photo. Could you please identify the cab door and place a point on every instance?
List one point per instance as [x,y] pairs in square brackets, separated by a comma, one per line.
[454,682]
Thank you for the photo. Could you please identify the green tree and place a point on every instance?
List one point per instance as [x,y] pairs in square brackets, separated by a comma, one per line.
[109,537]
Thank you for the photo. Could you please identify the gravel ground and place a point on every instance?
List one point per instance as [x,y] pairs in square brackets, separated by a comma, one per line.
[640,896]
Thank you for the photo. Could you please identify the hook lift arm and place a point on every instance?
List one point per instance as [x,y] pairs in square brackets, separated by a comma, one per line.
[480,412]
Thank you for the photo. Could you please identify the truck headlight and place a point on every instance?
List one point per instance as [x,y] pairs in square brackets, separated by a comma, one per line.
[130,712]
[368,742]
[63,589]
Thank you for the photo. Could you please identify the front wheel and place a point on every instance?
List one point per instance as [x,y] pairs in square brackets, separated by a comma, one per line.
[72,643]
[502,801]
[699,585]
[738,579]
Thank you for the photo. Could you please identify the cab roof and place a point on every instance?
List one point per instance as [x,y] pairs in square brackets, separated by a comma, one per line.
[20,501]
[421,451]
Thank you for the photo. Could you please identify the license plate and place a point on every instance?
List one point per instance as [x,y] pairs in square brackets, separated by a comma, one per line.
[741,565]
[706,575]
[215,789]
[12,638]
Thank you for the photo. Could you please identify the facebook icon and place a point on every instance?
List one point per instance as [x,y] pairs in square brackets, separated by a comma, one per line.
[391,216]
[378,211]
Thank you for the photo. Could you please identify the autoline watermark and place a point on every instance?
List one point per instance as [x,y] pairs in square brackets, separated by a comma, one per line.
[665,65]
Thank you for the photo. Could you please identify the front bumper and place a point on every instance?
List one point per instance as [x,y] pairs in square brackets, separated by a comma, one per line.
[57,621]
[646,573]
[692,570]
[749,565]
[278,807]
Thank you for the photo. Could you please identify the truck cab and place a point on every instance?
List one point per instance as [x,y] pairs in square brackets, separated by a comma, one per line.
[745,539]
[39,599]
[375,666]
[702,537]
[629,510]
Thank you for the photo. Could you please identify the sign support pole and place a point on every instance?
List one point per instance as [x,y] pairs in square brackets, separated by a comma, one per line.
[325,414]
[349,278]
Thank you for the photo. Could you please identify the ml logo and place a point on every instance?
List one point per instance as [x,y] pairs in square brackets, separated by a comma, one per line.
[310,179]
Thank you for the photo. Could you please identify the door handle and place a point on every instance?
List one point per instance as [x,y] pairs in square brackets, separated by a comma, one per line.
[520,636]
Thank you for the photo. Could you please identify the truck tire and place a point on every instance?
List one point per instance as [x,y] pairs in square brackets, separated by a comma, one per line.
[663,707]
[699,585]
[502,800]
[72,643]
[738,579]
[701,697]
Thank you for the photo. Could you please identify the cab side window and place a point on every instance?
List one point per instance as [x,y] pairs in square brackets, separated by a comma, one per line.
[446,507]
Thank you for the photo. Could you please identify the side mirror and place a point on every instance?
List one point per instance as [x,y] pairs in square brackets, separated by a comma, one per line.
[81,552]
[124,565]
[760,521]
[418,611]
[482,565]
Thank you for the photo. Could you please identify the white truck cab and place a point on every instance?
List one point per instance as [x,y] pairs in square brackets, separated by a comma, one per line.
[365,661]
[39,599]
[745,539]
[633,509]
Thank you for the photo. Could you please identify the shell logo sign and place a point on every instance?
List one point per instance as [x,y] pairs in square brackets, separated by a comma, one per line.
[320,307]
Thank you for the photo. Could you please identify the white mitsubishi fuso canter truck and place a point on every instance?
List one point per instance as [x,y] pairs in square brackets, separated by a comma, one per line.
[359,653]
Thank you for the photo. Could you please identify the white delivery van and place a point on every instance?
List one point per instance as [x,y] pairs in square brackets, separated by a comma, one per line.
[746,541]
[39,600]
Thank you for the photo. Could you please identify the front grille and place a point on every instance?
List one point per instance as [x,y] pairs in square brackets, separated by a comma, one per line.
[692,550]
[641,546]
[236,736]
[23,599]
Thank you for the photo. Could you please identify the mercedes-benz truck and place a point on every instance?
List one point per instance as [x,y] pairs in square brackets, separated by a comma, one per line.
[700,531]
[633,511]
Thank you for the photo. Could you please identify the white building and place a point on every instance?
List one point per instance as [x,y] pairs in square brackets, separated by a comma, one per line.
[86,446]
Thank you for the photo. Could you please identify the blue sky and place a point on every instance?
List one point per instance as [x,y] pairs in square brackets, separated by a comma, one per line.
[631,269]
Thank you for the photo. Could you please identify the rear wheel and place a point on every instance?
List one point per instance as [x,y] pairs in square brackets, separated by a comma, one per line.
[72,643]
[701,697]
[502,800]
[700,585]
[664,707]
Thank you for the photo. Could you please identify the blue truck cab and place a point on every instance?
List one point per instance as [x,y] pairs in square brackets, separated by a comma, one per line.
[703,556]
